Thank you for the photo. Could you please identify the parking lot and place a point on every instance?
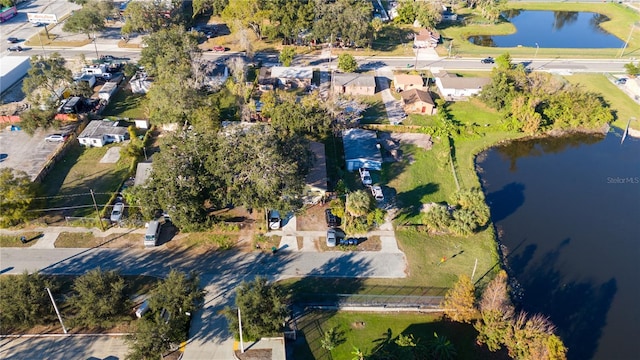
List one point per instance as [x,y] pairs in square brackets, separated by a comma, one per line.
[20,151]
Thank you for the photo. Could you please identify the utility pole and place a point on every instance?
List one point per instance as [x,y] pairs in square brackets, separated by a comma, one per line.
[95,45]
[240,327]
[474,269]
[450,46]
[56,308]
[626,43]
[95,205]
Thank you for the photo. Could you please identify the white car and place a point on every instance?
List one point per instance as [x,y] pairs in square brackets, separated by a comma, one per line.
[376,191]
[365,176]
[116,213]
[55,138]
[274,219]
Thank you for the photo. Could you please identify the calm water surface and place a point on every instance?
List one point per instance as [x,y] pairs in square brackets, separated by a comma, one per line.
[553,29]
[567,211]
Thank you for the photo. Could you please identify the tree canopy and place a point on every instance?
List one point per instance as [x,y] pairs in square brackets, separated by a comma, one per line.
[250,167]
[99,297]
[17,193]
[347,63]
[459,302]
[263,307]
[24,300]
[45,77]
[90,18]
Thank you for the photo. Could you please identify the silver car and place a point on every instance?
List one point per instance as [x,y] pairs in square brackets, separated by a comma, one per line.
[116,213]
[331,238]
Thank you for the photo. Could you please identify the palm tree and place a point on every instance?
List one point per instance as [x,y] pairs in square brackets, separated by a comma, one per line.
[358,203]
[357,354]
[441,348]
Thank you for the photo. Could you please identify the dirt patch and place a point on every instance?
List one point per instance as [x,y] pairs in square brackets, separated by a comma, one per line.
[254,354]
[358,325]
[88,240]
[312,218]
[419,140]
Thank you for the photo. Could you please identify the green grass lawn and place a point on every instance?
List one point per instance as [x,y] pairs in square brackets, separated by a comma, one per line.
[69,183]
[125,104]
[620,24]
[367,331]
[623,105]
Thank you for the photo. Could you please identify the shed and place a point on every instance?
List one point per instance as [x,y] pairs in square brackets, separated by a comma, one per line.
[353,84]
[99,133]
[418,102]
[316,181]
[361,149]
[404,82]
[294,77]
[107,90]
[455,87]
[88,78]
[13,69]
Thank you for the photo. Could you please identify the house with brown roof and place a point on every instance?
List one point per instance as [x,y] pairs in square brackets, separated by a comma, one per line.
[418,102]
[353,84]
[426,38]
[454,87]
[404,82]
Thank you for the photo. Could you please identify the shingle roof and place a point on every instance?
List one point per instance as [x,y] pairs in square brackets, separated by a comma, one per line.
[354,79]
[413,95]
[361,144]
[291,72]
[464,82]
[98,128]
[404,79]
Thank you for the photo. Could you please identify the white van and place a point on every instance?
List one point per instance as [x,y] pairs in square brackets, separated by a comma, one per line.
[151,237]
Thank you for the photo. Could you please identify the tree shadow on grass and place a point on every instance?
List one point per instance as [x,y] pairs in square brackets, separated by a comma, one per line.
[411,201]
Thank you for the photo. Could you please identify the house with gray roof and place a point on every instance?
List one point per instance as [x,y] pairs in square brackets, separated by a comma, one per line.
[99,133]
[353,84]
[361,149]
[292,77]
[454,87]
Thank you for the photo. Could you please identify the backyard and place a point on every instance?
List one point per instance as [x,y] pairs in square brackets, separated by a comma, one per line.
[68,186]
[375,334]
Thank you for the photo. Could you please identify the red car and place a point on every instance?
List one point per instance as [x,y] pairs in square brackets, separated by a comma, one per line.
[219,48]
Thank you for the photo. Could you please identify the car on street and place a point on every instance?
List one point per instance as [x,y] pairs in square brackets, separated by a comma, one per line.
[331,237]
[332,220]
[56,138]
[274,219]
[13,40]
[376,191]
[38,24]
[15,49]
[365,176]
[488,60]
[219,48]
[621,81]
[116,213]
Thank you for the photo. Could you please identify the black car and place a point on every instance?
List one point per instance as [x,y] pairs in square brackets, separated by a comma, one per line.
[332,220]
[488,60]
[13,40]
[15,48]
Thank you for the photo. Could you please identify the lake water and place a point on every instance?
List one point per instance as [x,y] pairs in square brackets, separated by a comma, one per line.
[553,29]
[567,211]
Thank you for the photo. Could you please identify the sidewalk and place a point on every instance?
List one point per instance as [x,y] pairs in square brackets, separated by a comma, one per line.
[50,233]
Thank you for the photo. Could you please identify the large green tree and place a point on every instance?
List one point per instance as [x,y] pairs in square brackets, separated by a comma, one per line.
[251,14]
[99,298]
[263,307]
[45,78]
[24,300]
[359,203]
[17,194]
[171,304]
[90,19]
[496,313]
[347,63]
[149,16]
[349,19]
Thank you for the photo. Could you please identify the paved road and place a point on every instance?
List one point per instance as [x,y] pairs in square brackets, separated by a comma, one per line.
[221,273]
[63,347]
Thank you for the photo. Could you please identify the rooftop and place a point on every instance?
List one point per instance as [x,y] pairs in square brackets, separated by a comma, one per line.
[405,79]
[292,72]
[414,95]
[354,79]
[99,128]
[361,144]
[464,82]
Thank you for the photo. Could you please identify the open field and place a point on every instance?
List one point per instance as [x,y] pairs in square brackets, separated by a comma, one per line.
[368,331]
[88,240]
[126,104]
[621,22]
[69,184]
